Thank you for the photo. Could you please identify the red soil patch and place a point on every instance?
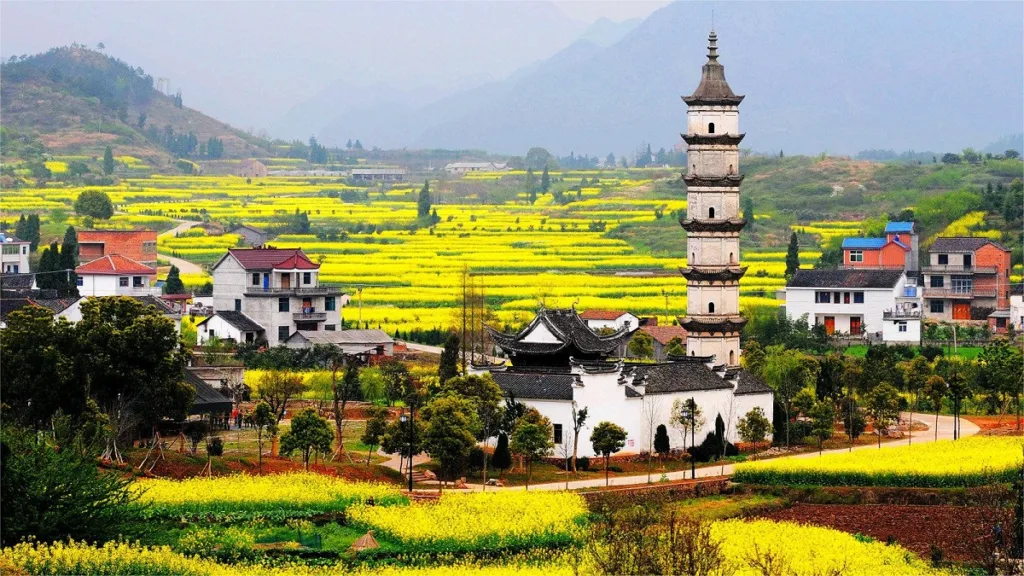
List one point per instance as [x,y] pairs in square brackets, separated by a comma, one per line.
[963,533]
[996,425]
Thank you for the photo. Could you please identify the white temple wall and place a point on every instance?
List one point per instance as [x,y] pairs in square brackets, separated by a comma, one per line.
[713,160]
[725,203]
[725,298]
[725,118]
[712,250]
[718,346]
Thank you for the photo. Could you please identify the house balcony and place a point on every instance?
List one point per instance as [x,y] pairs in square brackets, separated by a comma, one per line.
[303,291]
[939,269]
[309,316]
[959,294]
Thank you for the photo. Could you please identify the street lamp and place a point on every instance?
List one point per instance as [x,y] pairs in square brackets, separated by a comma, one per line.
[403,420]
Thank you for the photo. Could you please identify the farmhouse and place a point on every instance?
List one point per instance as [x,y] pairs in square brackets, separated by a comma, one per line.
[465,167]
[251,169]
[138,245]
[610,319]
[897,250]
[663,337]
[13,255]
[966,279]
[252,235]
[116,275]
[369,342]
[377,174]
[228,325]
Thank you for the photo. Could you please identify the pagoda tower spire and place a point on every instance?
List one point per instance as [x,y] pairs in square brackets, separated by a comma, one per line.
[713,221]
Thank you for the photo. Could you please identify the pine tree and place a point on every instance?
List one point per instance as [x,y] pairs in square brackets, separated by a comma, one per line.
[748,211]
[173,284]
[108,161]
[68,261]
[610,160]
[792,256]
[32,231]
[545,180]
[423,203]
[20,229]
[49,263]
[449,366]
[502,459]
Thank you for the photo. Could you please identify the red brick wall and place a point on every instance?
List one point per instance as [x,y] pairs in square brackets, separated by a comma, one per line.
[990,256]
[892,256]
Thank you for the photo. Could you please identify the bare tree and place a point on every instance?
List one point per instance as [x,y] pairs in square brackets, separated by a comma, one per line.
[649,412]
[567,453]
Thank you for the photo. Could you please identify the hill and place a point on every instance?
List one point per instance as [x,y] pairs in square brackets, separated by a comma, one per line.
[77,101]
[836,77]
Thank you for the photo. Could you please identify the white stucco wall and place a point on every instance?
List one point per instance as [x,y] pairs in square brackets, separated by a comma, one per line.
[725,118]
[712,250]
[725,201]
[614,324]
[217,326]
[109,285]
[891,331]
[800,301]
[1017,311]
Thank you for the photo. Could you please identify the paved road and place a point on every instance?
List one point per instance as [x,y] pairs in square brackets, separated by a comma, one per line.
[184,266]
[437,350]
[945,432]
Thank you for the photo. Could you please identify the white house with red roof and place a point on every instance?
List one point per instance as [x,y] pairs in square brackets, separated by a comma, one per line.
[278,289]
[116,275]
[611,319]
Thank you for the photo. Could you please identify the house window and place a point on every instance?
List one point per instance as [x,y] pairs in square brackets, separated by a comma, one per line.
[137,281]
[238,305]
[1000,322]
[711,128]
[822,297]
[307,277]
[962,284]
[122,281]
[282,305]
[558,433]
[858,297]
[79,281]
[937,282]
[149,247]
[330,327]
[282,332]
[835,297]
[846,297]
[330,304]
[255,278]
[856,255]
[901,326]
[937,306]
[11,248]
[943,259]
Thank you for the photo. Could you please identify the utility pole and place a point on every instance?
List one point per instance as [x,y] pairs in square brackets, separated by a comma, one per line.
[465,276]
[693,437]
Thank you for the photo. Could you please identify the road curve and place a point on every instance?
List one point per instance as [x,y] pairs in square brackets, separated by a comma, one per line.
[184,266]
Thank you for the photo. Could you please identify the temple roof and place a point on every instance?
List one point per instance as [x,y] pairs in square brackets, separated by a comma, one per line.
[535,385]
[567,329]
[750,384]
[713,88]
[682,376]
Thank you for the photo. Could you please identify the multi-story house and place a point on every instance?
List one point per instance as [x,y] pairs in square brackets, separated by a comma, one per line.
[278,289]
[116,275]
[858,302]
[138,245]
[13,255]
[897,250]
[966,279]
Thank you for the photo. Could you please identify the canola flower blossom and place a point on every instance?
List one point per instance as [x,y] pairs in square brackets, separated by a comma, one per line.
[242,496]
[478,521]
[972,461]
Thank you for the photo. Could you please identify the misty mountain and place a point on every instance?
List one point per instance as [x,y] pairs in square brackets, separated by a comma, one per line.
[1008,142]
[836,77]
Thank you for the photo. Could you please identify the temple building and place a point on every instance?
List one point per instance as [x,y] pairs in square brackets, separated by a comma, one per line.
[558,363]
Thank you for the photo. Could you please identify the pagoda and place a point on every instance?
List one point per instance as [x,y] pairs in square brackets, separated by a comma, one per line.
[713,221]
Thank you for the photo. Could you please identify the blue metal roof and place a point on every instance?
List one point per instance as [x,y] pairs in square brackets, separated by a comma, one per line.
[864,242]
[894,227]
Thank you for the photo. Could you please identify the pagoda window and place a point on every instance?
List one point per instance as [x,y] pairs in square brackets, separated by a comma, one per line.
[711,128]
[732,258]
[711,212]
[730,168]
[711,307]
[732,357]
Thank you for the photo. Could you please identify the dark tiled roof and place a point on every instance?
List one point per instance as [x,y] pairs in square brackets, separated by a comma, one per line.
[706,274]
[632,393]
[850,278]
[238,320]
[1017,289]
[683,376]
[207,398]
[56,305]
[8,305]
[713,89]
[160,305]
[566,325]
[713,324]
[961,244]
[16,281]
[535,385]
[751,384]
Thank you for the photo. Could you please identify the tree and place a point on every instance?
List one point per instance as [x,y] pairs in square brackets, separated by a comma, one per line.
[649,412]
[69,261]
[141,123]
[957,374]
[915,374]
[276,388]
[49,263]
[545,180]
[450,432]
[1011,154]
[786,374]
[376,426]
[423,202]
[935,389]
[531,185]
[61,494]
[661,442]
[823,420]
[309,434]
[399,438]
[108,161]
[687,417]
[342,391]
[641,345]
[1001,365]
[538,158]
[883,404]
[579,419]
[748,211]
[610,160]
[502,458]
[532,439]
[28,229]
[485,396]
[607,439]
[263,420]
[95,204]
[950,158]
[448,368]
[754,427]
[792,256]
[396,380]
[752,358]
[173,284]
[804,402]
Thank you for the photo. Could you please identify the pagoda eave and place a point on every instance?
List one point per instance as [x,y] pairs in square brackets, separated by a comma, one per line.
[712,325]
[703,274]
[713,101]
[726,180]
[721,139]
[712,225]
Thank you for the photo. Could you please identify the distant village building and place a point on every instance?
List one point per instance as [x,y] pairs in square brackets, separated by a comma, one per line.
[369,342]
[610,319]
[252,235]
[1017,306]
[73,311]
[116,275]
[229,325]
[377,174]
[967,279]
[277,289]
[251,169]
[13,255]
[465,167]
[662,336]
[137,245]
[897,250]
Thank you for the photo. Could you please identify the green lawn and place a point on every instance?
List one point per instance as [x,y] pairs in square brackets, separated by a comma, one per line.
[966,352]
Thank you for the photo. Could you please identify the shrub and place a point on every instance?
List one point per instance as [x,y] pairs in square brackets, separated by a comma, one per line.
[215,446]
[583,463]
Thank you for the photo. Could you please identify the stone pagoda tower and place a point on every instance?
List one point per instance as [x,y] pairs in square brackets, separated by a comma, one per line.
[713,221]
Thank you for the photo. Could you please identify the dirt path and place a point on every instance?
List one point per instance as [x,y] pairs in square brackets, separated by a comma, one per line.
[184,266]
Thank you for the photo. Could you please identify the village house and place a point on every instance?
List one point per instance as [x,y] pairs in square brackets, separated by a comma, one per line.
[1017,307]
[277,289]
[609,319]
[377,174]
[252,235]
[13,255]
[966,279]
[116,275]
[137,245]
[71,310]
[897,250]
[662,337]
[370,342]
[229,325]
[251,168]
[466,167]
[857,302]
